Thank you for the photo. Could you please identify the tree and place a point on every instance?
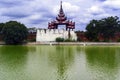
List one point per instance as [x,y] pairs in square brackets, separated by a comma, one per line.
[1,27]
[14,32]
[92,31]
[109,26]
[106,26]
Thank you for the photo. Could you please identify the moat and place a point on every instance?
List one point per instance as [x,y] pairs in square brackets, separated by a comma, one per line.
[44,62]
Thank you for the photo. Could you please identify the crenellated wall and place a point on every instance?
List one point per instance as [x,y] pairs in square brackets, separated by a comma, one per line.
[44,35]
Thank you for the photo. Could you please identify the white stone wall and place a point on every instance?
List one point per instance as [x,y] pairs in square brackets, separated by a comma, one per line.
[46,35]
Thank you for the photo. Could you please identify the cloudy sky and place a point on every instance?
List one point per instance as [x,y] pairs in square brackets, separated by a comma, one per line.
[37,13]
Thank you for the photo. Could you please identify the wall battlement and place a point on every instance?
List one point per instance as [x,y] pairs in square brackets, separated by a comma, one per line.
[51,31]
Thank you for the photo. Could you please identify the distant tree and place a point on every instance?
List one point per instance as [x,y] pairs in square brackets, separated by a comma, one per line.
[109,26]
[1,27]
[14,32]
[92,30]
[106,26]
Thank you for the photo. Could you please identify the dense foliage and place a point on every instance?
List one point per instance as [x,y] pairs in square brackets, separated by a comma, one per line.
[14,32]
[1,27]
[107,27]
[59,39]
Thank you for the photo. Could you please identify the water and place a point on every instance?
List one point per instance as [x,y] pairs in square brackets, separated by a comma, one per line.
[59,63]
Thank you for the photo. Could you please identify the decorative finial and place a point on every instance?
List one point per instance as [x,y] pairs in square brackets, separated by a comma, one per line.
[61,2]
[61,9]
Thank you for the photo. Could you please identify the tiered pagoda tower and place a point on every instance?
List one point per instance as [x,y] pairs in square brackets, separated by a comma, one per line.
[61,19]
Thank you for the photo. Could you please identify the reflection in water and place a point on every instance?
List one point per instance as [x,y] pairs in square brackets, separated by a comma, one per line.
[58,58]
[102,62]
[63,58]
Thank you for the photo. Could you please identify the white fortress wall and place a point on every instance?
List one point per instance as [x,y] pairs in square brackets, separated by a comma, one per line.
[73,35]
[46,35]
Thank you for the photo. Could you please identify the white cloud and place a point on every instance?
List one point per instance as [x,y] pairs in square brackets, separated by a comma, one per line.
[95,10]
[35,16]
[70,8]
[112,3]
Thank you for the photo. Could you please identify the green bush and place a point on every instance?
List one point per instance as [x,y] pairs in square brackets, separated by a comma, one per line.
[59,39]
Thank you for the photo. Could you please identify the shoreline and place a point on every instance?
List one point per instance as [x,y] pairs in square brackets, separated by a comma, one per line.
[76,43]
[72,43]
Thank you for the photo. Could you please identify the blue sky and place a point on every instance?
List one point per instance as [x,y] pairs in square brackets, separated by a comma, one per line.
[37,13]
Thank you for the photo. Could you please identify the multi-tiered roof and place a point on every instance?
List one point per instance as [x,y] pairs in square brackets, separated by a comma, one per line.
[61,19]
[61,16]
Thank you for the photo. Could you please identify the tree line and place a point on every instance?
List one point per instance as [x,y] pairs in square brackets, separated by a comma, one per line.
[107,27]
